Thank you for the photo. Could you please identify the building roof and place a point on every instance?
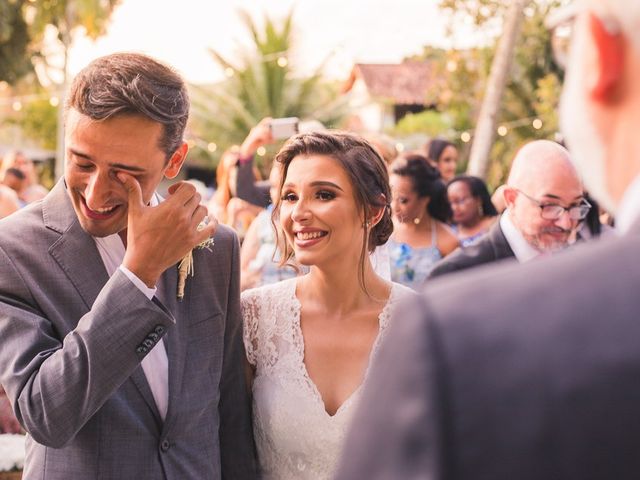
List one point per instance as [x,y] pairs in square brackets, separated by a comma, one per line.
[406,83]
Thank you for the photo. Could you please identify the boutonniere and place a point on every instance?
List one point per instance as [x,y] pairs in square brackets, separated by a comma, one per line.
[185,267]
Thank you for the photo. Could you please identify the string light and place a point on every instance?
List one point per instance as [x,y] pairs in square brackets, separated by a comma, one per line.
[537,124]
[465,137]
[282,62]
[229,72]
[399,147]
[54,101]
[261,151]
[17,106]
[212,147]
[502,130]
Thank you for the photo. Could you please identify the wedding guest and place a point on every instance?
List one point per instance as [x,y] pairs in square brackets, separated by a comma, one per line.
[309,340]
[421,236]
[108,372]
[9,201]
[30,188]
[471,207]
[259,255]
[545,205]
[444,156]
[224,204]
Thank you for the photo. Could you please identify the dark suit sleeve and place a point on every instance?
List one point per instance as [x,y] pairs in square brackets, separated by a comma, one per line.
[236,434]
[396,432]
[250,190]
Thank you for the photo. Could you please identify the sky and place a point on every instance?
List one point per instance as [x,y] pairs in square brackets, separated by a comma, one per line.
[343,32]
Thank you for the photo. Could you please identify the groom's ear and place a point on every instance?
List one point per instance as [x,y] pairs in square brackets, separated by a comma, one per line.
[175,162]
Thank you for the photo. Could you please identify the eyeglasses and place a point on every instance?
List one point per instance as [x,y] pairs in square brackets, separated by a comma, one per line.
[552,211]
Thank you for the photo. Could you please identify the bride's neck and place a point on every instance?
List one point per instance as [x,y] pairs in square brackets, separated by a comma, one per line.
[342,291]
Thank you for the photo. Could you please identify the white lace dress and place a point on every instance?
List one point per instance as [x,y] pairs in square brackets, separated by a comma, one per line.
[296,438]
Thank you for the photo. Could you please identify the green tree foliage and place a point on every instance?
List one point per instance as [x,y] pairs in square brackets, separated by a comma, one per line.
[261,83]
[14,42]
[532,91]
[429,122]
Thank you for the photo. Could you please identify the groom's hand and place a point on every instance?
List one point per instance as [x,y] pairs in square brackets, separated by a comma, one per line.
[158,237]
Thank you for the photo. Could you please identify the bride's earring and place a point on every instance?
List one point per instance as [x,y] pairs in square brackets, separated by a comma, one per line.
[417,220]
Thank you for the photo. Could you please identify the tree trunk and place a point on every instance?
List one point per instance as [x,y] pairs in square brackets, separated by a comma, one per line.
[486,126]
[65,36]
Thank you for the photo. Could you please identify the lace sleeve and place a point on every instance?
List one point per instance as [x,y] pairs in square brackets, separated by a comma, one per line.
[250,319]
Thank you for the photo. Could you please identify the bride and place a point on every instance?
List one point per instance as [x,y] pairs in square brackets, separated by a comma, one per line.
[310,339]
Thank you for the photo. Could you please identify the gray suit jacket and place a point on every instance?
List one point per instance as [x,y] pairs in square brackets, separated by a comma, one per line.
[73,340]
[490,248]
[516,372]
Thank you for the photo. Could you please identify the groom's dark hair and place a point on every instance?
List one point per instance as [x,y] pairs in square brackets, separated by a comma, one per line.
[132,83]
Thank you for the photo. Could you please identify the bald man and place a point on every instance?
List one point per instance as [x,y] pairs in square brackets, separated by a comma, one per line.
[545,204]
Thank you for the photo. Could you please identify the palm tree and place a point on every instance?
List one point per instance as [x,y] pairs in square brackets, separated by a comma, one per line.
[261,84]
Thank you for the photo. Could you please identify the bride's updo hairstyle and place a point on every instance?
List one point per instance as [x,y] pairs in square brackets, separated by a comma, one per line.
[367,172]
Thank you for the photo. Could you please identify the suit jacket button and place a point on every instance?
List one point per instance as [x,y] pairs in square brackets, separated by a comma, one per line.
[140,350]
[164,446]
[154,337]
[159,329]
[148,343]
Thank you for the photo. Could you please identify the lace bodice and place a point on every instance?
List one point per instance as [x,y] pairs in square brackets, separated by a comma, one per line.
[295,436]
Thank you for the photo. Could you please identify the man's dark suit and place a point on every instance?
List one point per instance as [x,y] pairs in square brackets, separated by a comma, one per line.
[521,372]
[490,248]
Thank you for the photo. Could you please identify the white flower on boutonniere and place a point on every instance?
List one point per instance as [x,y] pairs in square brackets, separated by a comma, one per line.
[186,267]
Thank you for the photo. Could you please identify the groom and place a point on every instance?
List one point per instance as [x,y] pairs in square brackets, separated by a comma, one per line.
[110,375]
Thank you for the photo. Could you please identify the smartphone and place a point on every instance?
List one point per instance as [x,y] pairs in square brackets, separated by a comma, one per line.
[284,127]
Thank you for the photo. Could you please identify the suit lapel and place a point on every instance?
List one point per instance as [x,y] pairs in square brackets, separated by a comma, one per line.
[501,247]
[175,340]
[75,251]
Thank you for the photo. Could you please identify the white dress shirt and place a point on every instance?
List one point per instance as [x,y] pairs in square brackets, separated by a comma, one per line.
[521,248]
[156,364]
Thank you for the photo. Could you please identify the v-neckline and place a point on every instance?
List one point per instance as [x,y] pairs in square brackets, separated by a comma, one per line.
[297,330]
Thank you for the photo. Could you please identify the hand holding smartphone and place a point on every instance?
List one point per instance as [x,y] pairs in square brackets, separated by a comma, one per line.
[284,127]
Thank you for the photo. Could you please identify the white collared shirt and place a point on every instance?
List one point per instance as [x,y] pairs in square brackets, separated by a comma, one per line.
[629,209]
[156,363]
[521,248]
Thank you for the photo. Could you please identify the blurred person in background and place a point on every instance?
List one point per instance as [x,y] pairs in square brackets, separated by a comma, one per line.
[15,180]
[472,210]
[224,204]
[31,189]
[545,207]
[310,340]
[9,201]
[259,256]
[444,156]
[420,209]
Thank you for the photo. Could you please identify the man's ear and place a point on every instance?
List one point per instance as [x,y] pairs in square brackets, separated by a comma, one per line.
[510,195]
[176,161]
[609,52]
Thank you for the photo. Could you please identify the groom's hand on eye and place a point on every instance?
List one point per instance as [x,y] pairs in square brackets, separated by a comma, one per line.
[158,237]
